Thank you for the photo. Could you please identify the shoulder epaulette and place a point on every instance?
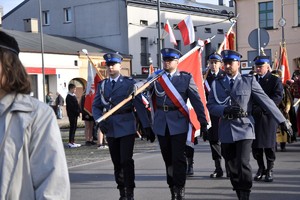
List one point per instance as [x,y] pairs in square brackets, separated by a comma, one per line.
[184,72]
[247,75]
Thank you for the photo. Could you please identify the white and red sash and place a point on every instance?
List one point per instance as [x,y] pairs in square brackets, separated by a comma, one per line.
[176,98]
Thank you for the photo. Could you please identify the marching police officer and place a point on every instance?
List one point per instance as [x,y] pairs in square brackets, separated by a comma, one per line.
[265,125]
[231,99]
[170,122]
[120,127]
[215,63]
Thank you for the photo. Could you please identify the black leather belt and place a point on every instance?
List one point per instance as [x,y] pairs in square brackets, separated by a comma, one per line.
[167,108]
[119,112]
[240,115]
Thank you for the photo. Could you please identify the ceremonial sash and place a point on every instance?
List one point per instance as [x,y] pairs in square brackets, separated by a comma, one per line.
[177,99]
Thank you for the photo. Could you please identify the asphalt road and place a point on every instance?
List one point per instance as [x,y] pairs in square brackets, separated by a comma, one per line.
[91,175]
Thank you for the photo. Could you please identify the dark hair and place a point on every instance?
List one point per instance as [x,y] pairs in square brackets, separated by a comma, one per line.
[71,86]
[14,77]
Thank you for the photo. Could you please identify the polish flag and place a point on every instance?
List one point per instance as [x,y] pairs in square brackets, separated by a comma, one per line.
[92,81]
[284,65]
[186,28]
[169,30]
[192,64]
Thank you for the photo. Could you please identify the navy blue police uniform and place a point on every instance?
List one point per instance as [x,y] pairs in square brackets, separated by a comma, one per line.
[236,126]
[265,125]
[212,135]
[120,127]
[171,126]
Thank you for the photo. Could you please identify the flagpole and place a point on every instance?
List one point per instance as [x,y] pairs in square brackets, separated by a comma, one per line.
[159,38]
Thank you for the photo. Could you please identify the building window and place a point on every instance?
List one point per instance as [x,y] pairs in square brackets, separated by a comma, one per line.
[46,17]
[207,30]
[266,15]
[68,14]
[195,28]
[162,25]
[220,31]
[144,52]
[143,22]
[175,27]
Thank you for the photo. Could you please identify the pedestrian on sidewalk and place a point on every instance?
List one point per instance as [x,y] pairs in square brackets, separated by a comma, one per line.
[170,124]
[120,127]
[73,112]
[88,122]
[231,99]
[32,157]
[59,103]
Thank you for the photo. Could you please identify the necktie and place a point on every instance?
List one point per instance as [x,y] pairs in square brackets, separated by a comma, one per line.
[214,75]
[260,79]
[231,83]
[169,76]
[113,82]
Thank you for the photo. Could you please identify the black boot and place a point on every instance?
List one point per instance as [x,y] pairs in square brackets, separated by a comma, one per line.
[260,173]
[269,172]
[238,194]
[129,193]
[190,169]
[122,194]
[218,171]
[261,169]
[172,193]
[244,195]
[227,170]
[179,193]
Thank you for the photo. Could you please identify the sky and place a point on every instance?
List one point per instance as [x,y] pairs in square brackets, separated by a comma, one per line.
[10,4]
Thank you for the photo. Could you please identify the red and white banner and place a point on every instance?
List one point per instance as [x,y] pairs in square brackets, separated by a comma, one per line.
[92,81]
[229,41]
[192,64]
[186,28]
[284,63]
[169,30]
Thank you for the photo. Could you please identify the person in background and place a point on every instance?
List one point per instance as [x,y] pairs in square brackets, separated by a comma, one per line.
[49,98]
[170,124]
[59,102]
[120,127]
[295,90]
[32,157]
[215,71]
[231,99]
[88,123]
[265,124]
[73,112]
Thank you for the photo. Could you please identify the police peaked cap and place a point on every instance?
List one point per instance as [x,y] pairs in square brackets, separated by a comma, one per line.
[113,58]
[215,56]
[229,55]
[9,43]
[260,60]
[170,53]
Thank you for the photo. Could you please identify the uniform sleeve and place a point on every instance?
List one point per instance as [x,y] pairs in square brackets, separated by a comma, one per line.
[265,102]
[213,106]
[277,94]
[196,102]
[47,157]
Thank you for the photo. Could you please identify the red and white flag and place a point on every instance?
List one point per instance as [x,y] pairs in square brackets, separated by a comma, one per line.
[186,28]
[169,30]
[229,41]
[92,81]
[284,63]
[192,64]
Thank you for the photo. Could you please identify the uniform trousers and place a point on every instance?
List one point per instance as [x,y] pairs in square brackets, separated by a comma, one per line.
[121,153]
[237,156]
[73,127]
[215,150]
[173,153]
[258,154]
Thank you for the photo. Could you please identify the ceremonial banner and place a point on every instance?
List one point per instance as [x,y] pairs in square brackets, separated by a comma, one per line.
[186,28]
[169,30]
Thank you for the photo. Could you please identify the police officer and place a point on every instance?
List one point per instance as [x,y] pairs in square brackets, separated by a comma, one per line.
[231,99]
[120,127]
[265,125]
[215,63]
[170,124]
